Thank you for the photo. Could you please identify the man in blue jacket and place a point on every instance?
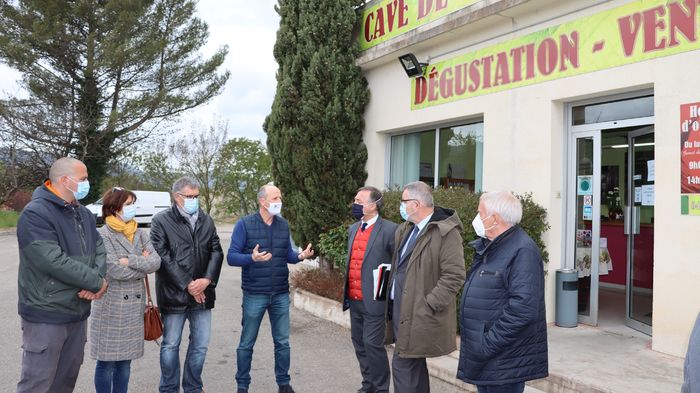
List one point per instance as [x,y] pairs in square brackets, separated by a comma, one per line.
[61,269]
[261,245]
[502,320]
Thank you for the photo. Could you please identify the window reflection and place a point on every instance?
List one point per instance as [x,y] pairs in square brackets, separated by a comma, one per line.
[459,157]
[613,110]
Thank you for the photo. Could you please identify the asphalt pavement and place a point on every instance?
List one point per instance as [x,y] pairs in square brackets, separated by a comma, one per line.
[323,359]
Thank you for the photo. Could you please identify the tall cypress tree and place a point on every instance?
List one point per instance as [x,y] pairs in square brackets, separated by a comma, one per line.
[314,131]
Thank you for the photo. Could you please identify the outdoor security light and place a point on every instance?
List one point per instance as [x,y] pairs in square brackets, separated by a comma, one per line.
[411,65]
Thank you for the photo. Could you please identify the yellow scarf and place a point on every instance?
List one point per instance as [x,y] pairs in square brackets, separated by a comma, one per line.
[126,228]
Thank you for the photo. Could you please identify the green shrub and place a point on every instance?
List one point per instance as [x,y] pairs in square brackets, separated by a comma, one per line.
[333,244]
[8,219]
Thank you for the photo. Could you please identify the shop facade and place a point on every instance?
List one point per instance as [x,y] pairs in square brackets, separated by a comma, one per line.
[581,103]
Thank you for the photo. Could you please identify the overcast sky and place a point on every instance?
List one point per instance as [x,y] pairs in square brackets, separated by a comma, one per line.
[248,28]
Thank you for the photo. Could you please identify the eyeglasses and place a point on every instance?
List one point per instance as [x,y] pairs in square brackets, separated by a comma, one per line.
[408,200]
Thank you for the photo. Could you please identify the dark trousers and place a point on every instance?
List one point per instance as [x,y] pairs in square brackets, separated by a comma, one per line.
[367,332]
[517,387]
[51,356]
[410,375]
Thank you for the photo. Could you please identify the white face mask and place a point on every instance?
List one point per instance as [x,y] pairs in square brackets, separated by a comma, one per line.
[478,225]
[275,208]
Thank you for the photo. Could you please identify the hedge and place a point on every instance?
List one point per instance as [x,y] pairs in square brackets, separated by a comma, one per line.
[333,244]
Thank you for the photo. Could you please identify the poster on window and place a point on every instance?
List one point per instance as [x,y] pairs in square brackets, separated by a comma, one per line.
[690,156]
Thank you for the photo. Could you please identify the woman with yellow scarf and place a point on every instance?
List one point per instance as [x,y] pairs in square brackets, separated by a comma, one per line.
[116,326]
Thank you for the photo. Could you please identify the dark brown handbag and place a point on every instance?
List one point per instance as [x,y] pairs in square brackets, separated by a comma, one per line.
[152,324]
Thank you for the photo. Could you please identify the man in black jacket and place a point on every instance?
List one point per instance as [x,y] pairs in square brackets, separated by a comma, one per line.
[502,318]
[191,256]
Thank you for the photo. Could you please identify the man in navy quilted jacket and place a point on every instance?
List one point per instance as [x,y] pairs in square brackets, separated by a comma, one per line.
[261,245]
[502,319]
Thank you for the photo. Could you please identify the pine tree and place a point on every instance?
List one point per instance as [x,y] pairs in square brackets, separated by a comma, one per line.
[100,75]
[314,131]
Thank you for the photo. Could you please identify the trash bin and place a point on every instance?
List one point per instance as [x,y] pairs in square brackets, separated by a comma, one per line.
[566,314]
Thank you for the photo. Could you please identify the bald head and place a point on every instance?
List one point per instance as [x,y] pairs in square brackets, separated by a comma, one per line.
[66,166]
[65,174]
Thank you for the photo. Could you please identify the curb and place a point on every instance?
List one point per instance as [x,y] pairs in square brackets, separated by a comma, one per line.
[319,306]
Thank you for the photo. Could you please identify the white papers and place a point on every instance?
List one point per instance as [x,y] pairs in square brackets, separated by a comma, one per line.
[648,195]
[637,194]
[651,175]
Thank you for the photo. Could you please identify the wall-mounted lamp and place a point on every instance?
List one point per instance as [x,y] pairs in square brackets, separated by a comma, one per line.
[411,65]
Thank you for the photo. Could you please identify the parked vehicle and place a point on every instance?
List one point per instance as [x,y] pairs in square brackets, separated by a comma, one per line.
[148,203]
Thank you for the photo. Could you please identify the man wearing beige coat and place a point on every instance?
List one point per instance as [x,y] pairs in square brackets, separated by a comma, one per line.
[427,273]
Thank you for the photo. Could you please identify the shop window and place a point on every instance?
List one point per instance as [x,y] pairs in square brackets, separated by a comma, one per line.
[459,157]
[413,158]
[613,110]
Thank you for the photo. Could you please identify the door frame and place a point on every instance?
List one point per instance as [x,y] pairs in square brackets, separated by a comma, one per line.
[629,226]
[569,239]
[571,210]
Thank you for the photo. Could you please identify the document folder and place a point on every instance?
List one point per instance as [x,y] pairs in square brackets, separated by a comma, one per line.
[381,281]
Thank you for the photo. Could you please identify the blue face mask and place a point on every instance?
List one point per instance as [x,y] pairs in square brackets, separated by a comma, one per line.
[404,213]
[82,190]
[191,205]
[357,211]
[128,213]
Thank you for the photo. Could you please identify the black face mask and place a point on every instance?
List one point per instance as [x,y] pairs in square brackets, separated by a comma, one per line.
[357,211]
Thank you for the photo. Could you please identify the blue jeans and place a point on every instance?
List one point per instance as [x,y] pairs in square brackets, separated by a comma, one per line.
[254,307]
[112,377]
[200,331]
[518,387]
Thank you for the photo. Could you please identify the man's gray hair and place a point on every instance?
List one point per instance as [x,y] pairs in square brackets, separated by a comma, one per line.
[63,167]
[505,204]
[421,192]
[262,191]
[183,182]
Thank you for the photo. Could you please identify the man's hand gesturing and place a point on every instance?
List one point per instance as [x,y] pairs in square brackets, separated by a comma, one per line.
[261,256]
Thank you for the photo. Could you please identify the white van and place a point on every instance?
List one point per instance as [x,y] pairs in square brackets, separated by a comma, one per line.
[148,203]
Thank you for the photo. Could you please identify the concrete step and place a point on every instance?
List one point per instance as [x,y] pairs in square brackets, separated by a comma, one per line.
[445,368]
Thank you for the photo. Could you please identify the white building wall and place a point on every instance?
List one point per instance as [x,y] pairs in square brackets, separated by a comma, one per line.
[525,151]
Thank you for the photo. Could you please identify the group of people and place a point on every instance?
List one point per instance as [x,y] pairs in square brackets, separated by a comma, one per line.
[69,270]
[502,312]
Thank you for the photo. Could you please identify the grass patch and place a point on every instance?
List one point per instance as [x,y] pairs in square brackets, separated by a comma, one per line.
[8,219]
[327,284]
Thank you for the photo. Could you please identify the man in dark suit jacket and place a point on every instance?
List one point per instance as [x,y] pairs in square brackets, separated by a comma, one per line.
[370,243]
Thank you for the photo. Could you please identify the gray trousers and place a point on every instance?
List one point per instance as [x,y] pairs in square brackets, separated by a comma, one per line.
[51,356]
[410,375]
[367,332]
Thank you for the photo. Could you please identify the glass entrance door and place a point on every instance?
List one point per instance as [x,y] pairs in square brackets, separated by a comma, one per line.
[584,227]
[639,227]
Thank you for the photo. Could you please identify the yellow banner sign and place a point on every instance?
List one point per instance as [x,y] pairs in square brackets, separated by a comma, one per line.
[641,30]
[389,18]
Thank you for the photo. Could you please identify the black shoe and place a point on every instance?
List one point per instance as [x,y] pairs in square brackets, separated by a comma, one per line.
[286,389]
[242,390]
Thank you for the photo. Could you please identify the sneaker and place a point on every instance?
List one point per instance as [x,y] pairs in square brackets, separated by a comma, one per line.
[286,389]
